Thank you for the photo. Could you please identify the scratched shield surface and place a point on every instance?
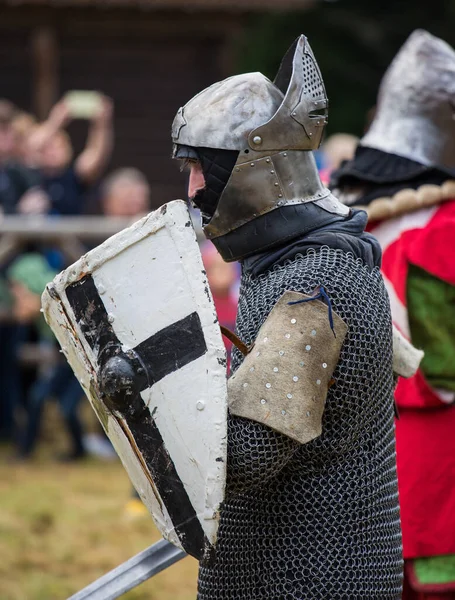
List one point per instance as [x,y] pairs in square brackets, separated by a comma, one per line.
[143,295]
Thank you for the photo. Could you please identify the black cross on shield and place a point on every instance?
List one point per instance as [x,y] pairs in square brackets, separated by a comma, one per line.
[161,354]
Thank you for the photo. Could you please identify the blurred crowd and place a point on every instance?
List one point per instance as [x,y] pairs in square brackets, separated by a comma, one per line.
[40,175]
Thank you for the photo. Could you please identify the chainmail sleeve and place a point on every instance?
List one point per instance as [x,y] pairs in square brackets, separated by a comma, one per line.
[255,453]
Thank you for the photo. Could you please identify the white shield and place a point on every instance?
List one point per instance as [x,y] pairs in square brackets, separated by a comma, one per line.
[137,313]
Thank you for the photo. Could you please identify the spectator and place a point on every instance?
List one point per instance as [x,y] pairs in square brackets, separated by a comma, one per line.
[28,276]
[22,124]
[125,193]
[64,181]
[15,179]
[10,376]
[7,112]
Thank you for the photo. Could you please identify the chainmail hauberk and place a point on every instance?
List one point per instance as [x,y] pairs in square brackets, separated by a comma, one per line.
[318,521]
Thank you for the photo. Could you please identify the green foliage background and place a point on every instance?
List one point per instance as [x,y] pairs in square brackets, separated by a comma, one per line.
[353,41]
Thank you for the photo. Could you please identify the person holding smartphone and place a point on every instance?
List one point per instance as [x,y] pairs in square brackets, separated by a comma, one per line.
[64,180]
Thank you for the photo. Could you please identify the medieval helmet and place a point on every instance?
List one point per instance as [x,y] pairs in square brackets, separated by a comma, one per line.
[265,133]
[415,115]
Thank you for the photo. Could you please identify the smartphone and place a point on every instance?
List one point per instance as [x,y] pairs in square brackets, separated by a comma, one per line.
[83,104]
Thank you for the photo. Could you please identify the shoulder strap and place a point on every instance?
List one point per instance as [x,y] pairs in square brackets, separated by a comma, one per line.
[235,340]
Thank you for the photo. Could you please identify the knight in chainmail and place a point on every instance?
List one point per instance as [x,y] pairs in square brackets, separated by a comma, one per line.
[315,520]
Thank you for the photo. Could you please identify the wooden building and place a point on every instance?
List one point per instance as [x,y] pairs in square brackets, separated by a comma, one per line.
[150,56]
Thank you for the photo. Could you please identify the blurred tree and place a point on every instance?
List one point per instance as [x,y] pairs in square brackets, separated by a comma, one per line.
[353,41]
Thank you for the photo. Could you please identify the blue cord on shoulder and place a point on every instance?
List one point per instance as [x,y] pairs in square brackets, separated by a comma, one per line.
[321,295]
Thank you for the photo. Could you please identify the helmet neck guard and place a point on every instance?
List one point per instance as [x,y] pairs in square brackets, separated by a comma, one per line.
[273,230]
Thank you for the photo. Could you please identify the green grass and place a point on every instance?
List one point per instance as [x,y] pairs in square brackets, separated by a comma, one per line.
[63,526]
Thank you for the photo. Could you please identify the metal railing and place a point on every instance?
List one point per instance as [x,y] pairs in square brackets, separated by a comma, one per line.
[72,235]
